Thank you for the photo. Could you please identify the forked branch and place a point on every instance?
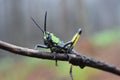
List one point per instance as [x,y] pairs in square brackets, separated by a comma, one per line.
[77,60]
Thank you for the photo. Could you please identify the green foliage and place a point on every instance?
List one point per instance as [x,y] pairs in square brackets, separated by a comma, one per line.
[78,73]
[106,37]
[24,69]
[6,64]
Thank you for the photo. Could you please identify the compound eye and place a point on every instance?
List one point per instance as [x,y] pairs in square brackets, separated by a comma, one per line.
[48,35]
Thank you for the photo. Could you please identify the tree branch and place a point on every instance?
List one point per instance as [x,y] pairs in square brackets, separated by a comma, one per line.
[78,60]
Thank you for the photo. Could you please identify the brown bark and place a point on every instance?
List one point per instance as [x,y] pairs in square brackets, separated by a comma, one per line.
[77,60]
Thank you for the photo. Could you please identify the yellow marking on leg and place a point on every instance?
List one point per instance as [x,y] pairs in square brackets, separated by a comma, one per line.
[75,39]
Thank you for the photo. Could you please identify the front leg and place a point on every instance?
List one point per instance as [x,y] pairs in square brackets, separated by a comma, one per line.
[41,46]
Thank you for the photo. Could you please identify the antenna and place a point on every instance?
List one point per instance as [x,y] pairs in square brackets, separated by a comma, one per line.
[45,20]
[37,25]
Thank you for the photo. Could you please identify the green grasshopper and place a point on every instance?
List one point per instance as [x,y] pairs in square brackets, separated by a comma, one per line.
[55,44]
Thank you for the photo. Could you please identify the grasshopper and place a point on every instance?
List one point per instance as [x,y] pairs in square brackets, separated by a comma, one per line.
[55,44]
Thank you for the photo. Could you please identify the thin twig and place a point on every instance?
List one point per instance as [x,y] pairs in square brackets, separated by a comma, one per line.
[77,60]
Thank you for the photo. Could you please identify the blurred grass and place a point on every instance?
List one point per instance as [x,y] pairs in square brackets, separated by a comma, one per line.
[23,69]
[10,70]
[106,37]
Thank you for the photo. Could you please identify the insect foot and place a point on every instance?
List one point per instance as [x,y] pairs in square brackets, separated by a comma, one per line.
[55,58]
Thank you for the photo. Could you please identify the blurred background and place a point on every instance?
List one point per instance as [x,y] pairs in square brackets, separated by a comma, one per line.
[100,23]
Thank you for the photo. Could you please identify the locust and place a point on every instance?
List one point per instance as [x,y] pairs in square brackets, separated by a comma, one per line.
[55,44]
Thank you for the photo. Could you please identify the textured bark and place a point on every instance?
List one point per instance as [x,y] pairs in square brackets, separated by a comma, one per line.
[77,60]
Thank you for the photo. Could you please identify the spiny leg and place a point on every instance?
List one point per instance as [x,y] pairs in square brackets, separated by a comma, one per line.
[55,58]
[71,72]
